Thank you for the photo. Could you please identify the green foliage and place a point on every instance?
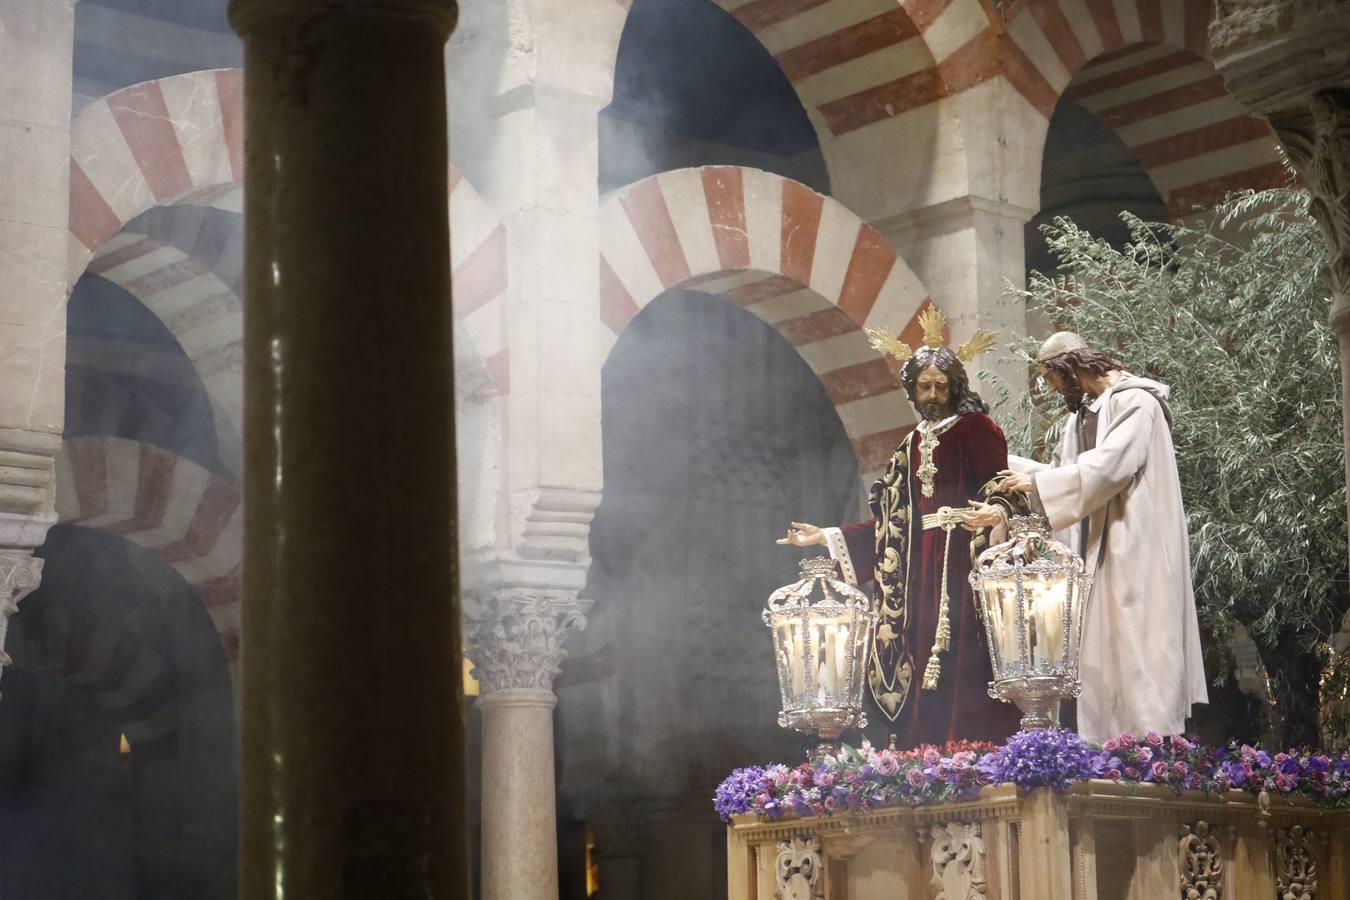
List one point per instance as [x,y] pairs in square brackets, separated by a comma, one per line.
[1231,315]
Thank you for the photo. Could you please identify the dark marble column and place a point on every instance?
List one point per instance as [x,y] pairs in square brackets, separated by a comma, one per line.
[352,742]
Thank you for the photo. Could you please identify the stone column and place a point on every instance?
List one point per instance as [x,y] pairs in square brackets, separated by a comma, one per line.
[965,250]
[1288,62]
[515,638]
[353,735]
[36,46]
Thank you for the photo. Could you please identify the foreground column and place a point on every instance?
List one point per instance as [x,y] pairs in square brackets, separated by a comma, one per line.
[36,41]
[352,742]
[515,638]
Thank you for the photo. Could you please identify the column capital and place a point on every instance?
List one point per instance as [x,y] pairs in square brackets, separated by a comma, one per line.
[1272,53]
[247,14]
[1316,137]
[20,574]
[515,635]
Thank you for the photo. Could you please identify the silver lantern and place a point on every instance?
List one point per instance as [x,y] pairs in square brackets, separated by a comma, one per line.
[1032,592]
[822,635]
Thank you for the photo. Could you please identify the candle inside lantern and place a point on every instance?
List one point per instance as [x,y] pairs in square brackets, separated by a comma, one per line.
[1045,609]
[796,662]
[841,659]
[831,679]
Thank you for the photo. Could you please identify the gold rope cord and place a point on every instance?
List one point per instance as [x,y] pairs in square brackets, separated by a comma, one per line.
[947,519]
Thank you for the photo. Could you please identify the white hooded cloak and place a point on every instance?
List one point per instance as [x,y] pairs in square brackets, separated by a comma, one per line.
[1141,660]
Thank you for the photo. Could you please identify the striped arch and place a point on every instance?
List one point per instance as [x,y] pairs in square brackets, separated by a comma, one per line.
[109,660]
[180,512]
[1141,67]
[203,313]
[800,261]
[180,140]
[174,140]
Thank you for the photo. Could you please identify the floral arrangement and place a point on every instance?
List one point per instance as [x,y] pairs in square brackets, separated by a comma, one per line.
[867,778]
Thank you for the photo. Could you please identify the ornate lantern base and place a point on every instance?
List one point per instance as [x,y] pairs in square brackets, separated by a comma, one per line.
[1037,696]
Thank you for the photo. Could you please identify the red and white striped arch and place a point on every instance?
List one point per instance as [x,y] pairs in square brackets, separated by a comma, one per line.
[109,659]
[202,312]
[188,517]
[180,140]
[800,261]
[174,140]
[1141,67]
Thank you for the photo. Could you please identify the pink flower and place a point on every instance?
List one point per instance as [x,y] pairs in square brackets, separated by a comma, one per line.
[887,764]
[825,779]
[1145,754]
[1159,771]
[1127,741]
[1248,753]
[915,778]
[1131,773]
[1286,783]
[1111,746]
[1113,774]
[1180,744]
[1153,739]
[931,757]
[1180,769]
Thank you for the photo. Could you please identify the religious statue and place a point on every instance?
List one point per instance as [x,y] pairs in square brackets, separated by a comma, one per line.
[1113,493]
[929,671]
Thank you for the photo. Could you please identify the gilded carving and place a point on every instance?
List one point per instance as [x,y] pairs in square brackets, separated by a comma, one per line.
[957,856]
[515,636]
[1201,863]
[1295,864]
[797,869]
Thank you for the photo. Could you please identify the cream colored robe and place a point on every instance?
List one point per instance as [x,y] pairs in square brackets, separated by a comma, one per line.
[1141,660]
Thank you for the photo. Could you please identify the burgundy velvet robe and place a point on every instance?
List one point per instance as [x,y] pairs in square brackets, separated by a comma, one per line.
[970,453]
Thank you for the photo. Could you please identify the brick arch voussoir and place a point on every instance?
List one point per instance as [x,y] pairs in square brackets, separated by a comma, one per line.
[1143,68]
[188,517]
[106,658]
[800,261]
[180,140]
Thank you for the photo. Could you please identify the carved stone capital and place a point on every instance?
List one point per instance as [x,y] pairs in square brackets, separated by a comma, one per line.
[20,574]
[1316,137]
[1272,53]
[515,636]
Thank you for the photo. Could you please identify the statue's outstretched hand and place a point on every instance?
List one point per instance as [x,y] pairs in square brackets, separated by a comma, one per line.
[981,516]
[1014,482]
[803,535]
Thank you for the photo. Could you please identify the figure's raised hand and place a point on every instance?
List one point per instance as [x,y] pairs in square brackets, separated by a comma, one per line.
[981,516]
[800,534]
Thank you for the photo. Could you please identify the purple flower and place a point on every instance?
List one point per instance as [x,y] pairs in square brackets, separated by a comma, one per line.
[735,795]
[1044,757]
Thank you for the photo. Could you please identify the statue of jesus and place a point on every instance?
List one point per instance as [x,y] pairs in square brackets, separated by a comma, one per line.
[929,670]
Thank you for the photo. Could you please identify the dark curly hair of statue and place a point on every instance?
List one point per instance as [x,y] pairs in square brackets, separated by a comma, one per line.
[1067,366]
[963,400]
